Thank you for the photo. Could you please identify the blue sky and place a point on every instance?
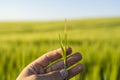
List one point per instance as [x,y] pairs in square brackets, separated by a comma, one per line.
[57,9]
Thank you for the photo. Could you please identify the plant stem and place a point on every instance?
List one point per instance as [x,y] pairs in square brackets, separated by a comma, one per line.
[63,44]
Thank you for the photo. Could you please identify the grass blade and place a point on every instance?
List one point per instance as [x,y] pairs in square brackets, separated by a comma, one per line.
[63,45]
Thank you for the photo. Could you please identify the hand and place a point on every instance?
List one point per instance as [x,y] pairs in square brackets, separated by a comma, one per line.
[40,69]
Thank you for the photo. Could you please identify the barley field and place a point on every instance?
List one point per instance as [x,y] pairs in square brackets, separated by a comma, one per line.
[98,40]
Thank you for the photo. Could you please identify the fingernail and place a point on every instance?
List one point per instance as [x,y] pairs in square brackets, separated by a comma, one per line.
[64,73]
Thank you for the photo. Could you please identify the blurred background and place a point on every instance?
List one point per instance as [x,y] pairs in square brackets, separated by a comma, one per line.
[93,28]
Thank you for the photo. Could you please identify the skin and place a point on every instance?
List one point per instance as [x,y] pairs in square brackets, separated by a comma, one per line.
[40,69]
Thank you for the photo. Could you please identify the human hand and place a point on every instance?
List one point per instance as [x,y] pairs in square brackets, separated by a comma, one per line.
[40,69]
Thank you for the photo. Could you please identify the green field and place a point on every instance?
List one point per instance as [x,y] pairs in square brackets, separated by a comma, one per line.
[98,40]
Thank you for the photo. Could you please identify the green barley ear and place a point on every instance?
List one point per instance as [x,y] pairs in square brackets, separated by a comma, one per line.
[63,45]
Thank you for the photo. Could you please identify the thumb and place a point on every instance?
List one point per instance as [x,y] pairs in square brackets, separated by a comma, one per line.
[55,75]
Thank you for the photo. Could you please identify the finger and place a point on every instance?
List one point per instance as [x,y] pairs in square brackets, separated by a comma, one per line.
[70,61]
[59,75]
[74,71]
[49,57]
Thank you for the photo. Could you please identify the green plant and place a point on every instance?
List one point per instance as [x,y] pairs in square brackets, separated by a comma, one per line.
[63,44]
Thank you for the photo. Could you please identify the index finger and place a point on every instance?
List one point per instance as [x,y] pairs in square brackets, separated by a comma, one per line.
[49,57]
